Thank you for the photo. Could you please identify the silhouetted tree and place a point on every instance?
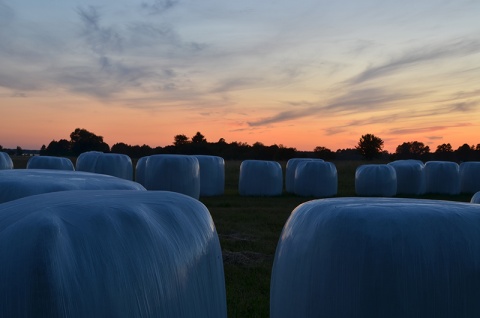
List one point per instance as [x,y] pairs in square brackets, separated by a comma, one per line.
[323,153]
[19,151]
[180,140]
[444,152]
[198,138]
[60,148]
[1,148]
[82,140]
[412,150]
[465,152]
[370,146]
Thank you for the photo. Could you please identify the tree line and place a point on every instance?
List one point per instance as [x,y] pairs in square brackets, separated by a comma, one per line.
[369,147]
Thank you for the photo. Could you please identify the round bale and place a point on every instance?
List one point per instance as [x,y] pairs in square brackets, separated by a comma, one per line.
[290,172]
[470,177]
[375,180]
[212,175]
[410,176]
[260,178]
[110,254]
[378,257]
[19,183]
[49,162]
[442,177]
[112,164]
[316,179]
[177,173]
[5,161]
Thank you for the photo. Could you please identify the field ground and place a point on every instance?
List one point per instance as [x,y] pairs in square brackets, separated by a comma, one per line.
[249,229]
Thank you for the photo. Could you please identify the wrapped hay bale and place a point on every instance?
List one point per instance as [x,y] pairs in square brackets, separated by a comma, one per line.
[260,178]
[19,183]
[212,175]
[177,173]
[140,170]
[475,198]
[375,180]
[290,172]
[112,164]
[378,257]
[442,177]
[5,161]
[49,162]
[410,176]
[316,178]
[470,177]
[110,254]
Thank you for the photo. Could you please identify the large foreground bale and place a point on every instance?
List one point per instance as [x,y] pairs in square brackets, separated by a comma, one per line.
[290,170]
[442,177]
[19,183]
[375,180]
[112,164]
[378,257]
[177,173]
[470,177]
[410,176]
[212,175]
[316,178]
[5,161]
[260,178]
[109,254]
[49,162]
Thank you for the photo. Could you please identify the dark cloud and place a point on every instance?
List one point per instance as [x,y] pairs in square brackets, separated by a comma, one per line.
[452,49]
[159,6]
[6,14]
[101,39]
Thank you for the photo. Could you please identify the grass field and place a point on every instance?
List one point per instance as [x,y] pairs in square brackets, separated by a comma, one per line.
[249,229]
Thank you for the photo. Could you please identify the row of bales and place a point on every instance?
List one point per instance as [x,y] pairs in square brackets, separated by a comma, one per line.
[110,248]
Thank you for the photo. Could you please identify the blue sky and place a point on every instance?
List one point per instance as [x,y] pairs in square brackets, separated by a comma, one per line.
[303,73]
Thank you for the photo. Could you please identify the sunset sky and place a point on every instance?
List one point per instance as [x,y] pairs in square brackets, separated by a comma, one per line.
[300,73]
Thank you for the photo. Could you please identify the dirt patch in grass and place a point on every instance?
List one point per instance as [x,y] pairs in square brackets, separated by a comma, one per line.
[244,258]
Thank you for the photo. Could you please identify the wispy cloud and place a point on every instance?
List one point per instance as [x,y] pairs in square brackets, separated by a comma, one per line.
[159,6]
[450,49]
[429,129]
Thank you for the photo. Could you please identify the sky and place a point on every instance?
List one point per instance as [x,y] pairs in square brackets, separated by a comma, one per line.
[300,73]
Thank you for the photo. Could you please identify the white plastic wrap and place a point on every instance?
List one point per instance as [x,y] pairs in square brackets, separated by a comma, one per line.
[290,172]
[110,254]
[378,257]
[470,177]
[410,176]
[5,161]
[212,175]
[19,183]
[375,180]
[140,170]
[112,164]
[442,177]
[316,178]
[177,173]
[260,178]
[48,162]
[475,198]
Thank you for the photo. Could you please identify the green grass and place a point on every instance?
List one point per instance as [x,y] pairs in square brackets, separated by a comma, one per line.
[249,229]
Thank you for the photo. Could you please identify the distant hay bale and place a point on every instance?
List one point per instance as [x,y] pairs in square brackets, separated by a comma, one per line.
[112,164]
[376,180]
[410,176]
[470,177]
[140,170]
[290,172]
[5,161]
[442,177]
[316,178]
[212,175]
[19,183]
[260,178]
[378,257]
[110,254]
[475,198]
[177,173]
[49,162]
